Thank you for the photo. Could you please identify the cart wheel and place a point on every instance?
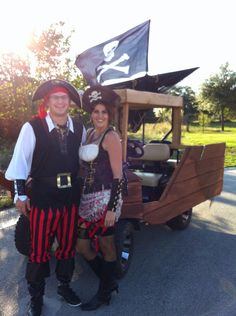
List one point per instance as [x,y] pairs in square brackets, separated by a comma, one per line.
[124,246]
[181,221]
[22,235]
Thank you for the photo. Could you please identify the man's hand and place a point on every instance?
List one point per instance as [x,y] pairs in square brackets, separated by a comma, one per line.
[110,219]
[23,206]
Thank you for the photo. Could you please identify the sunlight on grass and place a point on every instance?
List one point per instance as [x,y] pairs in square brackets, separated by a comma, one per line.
[213,135]
[197,136]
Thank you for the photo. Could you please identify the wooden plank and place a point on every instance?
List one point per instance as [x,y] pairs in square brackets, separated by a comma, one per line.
[145,100]
[193,169]
[125,116]
[213,151]
[199,183]
[134,193]
[187,155]
[176,126]
[132,203]
[160,212]
[206,152]
[192,156]
[132,210]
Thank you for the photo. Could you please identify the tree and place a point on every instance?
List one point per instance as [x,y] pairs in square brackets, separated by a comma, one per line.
[15,84]
[51,50]
[203,119]
[220,91]
[189,103]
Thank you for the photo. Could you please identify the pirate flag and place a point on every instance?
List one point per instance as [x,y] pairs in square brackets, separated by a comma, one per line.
[122,58]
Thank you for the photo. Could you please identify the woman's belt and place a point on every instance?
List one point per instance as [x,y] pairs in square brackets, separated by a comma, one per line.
[60,181]
[96,187]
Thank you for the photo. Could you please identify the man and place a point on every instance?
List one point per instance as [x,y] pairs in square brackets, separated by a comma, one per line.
[47,152]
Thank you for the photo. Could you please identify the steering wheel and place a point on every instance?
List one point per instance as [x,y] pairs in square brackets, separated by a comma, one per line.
[134,148]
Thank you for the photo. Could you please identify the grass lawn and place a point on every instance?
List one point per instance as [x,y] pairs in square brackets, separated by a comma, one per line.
[198,136]
[210,136]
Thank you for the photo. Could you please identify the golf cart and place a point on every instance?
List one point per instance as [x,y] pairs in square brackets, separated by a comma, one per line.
[166,179]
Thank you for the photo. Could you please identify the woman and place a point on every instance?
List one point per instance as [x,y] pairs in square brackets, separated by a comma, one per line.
[101,199]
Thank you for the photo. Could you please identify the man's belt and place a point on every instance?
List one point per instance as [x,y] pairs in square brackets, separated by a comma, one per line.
[60,181]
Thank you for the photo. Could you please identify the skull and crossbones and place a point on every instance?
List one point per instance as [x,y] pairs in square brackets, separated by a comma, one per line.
[94,96]
[109,53]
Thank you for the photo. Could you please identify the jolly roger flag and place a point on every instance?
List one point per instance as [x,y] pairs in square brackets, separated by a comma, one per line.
[119,59]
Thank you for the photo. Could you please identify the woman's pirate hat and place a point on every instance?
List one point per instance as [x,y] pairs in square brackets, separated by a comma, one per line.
[99,94]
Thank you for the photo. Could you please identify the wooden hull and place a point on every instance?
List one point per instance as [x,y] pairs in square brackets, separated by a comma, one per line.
[133,206]
[197,178]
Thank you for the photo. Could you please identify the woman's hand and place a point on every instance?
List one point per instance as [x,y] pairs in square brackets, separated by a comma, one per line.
[23,206]
[110,219]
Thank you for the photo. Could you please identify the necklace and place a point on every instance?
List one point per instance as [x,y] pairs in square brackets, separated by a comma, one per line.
[63,131]
[95,136]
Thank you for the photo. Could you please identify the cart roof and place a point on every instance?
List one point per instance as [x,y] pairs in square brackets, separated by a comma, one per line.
[141,100]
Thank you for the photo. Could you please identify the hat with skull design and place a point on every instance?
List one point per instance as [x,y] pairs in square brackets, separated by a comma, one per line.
[99,95]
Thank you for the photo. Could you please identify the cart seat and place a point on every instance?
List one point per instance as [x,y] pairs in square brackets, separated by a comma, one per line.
[156,152]
[148,179]
[153,152]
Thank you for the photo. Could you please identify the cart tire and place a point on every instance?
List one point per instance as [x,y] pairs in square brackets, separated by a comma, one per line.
[22,235]
[124,246]
[181,221]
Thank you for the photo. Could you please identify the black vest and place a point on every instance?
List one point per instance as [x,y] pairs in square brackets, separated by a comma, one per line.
[48,161]
[99,171]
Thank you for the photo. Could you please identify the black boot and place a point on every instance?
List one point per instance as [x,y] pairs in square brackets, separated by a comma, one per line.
[64,272]
[66,292]
[97,265]
[106,287]
[36,291]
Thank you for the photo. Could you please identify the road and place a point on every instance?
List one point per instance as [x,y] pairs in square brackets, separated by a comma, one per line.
[187,273]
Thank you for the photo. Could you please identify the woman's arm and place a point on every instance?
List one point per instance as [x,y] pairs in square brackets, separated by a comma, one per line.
[112,145]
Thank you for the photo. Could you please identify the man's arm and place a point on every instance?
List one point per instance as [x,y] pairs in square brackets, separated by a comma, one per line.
[20,166]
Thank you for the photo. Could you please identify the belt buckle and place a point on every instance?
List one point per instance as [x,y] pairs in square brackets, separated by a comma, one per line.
[59,180]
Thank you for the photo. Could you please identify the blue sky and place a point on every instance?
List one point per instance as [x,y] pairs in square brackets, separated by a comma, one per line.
[183,33]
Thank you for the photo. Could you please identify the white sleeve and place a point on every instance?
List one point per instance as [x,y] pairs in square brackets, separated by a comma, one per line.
[20,197]
[20,164]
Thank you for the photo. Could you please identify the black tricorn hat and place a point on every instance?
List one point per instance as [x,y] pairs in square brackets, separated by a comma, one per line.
[46,86]
[99,94]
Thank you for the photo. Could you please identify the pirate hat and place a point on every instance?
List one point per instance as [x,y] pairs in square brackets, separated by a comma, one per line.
[99,94]
[44,89]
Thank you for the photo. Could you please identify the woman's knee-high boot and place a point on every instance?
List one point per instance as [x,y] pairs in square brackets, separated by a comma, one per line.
[96,265]
[106,287]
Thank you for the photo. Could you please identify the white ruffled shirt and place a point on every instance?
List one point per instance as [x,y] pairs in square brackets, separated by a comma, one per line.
[20,164]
